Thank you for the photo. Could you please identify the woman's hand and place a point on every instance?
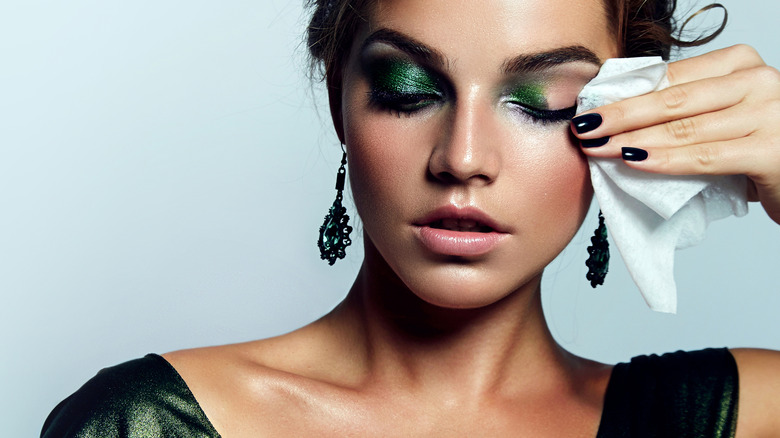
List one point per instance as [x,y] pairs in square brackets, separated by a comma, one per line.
[720,116]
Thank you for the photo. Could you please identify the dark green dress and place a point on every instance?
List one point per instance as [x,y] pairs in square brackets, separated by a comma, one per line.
[682,394]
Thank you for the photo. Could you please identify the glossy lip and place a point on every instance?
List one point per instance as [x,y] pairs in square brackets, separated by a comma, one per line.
[459,243]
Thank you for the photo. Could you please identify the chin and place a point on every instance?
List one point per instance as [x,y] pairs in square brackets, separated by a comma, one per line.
[465,286]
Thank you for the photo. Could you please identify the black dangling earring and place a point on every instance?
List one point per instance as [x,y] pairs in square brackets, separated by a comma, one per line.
[598,261]
[334,232]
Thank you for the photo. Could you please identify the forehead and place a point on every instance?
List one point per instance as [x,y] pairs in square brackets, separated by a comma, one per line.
[488,30]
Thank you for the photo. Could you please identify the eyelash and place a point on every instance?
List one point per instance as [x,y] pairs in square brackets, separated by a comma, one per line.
[406,104]
[546,117]
[402,103]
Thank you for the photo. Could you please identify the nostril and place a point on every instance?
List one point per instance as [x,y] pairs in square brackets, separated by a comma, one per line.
[441,177]
[448,177]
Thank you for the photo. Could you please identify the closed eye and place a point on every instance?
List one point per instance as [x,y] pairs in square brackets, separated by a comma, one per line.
[401,86]
[546,116]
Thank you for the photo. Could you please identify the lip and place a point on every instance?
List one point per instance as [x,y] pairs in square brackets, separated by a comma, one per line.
[459,243]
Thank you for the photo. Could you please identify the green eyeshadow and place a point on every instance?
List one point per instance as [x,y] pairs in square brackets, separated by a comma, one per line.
[396,76]
[531,95]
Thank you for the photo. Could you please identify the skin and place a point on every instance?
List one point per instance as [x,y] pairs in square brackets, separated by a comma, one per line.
[426,345]
[719,117]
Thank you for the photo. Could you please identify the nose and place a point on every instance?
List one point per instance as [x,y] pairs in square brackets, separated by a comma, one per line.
[467,150]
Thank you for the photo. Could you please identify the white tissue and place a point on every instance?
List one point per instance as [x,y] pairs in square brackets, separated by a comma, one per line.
[648,215]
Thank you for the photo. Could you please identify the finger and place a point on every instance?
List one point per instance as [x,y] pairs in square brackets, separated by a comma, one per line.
[686,100]
[731,157]
[668,104]
[752,191]
[713,64]
[728,124]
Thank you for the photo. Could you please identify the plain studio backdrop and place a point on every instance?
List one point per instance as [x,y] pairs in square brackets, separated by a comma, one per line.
[165,167]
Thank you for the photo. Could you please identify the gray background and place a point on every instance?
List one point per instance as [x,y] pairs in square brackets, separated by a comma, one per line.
[164,167]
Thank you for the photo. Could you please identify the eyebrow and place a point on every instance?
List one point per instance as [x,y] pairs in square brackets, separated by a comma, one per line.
[525,63]
[406,44]
[534,62]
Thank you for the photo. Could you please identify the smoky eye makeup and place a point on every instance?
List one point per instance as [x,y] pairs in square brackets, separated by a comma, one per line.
[401,85]
[530,95]
[531,100]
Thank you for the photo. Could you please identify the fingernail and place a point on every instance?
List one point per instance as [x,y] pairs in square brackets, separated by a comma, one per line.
[586,122]
[634,154]
[594,142]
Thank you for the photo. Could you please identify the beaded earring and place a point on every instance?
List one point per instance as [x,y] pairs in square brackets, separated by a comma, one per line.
[598,261]
[334,232]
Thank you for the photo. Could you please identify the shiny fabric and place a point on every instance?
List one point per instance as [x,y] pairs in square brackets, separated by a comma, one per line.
[142,398]
[682,394]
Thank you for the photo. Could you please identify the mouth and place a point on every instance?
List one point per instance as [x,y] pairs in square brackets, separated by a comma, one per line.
[461,225]
[462,232]
[464,220]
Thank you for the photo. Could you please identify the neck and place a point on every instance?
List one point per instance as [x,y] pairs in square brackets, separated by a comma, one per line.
[407,341]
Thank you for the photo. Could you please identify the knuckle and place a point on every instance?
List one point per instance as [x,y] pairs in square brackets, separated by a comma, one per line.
[671,75]
[766,74]
[681,130]
[674,98]
[764,118]
[704,156]
[743,51]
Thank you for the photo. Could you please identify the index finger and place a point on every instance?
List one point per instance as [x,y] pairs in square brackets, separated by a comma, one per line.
[704,77]
[713,64]
[673,103]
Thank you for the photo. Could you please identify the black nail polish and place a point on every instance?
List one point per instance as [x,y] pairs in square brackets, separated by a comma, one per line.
[594,142]
[586,122]
[634,154]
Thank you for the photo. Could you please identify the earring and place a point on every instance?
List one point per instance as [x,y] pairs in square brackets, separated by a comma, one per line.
[334,232]
[598,261]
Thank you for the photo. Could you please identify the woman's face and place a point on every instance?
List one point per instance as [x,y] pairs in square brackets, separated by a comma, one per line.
[455,114]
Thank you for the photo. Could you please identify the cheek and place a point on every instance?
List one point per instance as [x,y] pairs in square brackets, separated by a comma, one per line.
[555,179]
[382,164]
[569,195]
[568,179]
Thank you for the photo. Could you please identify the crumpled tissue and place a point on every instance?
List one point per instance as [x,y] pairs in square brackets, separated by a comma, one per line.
[648,215]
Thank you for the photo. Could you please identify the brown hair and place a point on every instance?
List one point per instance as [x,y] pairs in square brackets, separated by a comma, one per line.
[331,31]
[648,27]
[642,27]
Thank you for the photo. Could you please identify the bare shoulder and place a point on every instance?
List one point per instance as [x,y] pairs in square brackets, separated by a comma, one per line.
[230,384]
[759,392]
[317,351]
[200,366]
[244,389]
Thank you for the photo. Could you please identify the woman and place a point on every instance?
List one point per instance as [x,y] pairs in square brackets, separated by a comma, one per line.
[455,119]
